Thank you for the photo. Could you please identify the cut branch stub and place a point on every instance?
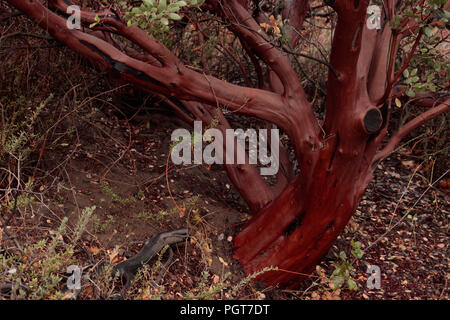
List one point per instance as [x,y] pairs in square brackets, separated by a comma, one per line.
[372,121]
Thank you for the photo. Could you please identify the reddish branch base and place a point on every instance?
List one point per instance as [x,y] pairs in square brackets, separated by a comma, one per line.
[295,247]
[298,228]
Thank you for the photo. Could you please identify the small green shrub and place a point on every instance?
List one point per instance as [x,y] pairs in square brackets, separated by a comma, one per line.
[155,16]
[38,271]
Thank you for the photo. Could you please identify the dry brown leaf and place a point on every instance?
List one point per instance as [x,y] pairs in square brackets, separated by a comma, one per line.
[94,250]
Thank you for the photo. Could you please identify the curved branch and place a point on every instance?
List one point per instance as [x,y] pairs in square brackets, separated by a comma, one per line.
[245,177]
[392,82]
[168,76]
[295,12]
[172,79]
[248,31]
[113,22]
[410,126]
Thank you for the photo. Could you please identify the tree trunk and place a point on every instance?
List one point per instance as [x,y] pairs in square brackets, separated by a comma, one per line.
[298,228]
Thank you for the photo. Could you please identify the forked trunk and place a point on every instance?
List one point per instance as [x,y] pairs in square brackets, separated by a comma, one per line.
[298,228]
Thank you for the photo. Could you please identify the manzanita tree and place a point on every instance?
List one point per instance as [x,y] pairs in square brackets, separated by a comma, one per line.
[297,219]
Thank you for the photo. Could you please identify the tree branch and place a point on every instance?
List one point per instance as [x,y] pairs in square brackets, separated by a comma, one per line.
[172,79]
[295,12]
[410,126]
[344,57]
[392,82]
[247,29]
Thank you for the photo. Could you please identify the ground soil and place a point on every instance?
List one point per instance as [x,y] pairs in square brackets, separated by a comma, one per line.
[120,165]
[402,221]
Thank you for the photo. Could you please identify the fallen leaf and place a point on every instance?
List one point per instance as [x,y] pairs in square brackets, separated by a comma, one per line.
[94,250]
[113,256]
[68,295]
[223,262]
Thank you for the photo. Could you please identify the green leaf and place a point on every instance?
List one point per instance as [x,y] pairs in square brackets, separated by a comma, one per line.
[338,280]
[414,72]
[358,253]
[406,73]
[174,16]
[164,21]
[173,7]
[410,93]
[352,284]
[347,273]
[432,88]
[420,90]
[428,31]
[162,5]
[446,14]
[336,271]
[149,3]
